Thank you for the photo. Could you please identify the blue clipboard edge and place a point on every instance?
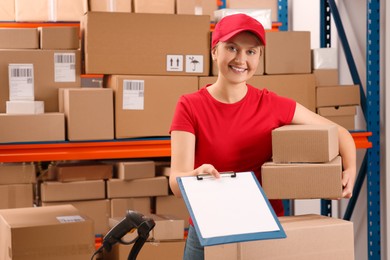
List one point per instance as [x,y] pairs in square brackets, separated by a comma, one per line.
[233,238]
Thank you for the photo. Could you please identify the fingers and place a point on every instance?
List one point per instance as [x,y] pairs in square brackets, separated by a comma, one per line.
[208,169]
[348,183]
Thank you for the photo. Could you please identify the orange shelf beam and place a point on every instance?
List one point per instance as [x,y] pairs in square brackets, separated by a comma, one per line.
[84,150]
[361,139]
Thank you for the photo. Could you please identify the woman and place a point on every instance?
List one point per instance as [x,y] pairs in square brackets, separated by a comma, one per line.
[226,126]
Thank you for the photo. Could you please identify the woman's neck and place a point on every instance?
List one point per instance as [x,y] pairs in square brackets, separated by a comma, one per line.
[228,93]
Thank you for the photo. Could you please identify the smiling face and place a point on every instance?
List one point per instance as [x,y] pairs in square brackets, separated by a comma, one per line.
[238,57]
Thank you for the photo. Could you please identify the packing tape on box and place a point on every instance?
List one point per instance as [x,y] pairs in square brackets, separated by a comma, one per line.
[111,5]
[52,10]
[198,7]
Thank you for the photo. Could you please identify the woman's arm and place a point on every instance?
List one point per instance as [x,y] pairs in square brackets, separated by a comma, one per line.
[182,159]
[346,145]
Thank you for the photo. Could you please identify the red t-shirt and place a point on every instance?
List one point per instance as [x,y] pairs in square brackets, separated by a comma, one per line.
[234,137]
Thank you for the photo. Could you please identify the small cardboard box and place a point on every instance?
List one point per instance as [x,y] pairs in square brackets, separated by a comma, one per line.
[19,38]
[41,128]
[17,173]
[7,10]
[291,58]
[72,191]
[120,206]
[338,95]
[140,100]
[172,206]
[135,170]
[151,6]
[308,237]
[89,113]
[326,77]
[157,186]
[45,233]
[197,7]
[25,107]
[255,4]
[343,115]
[81,171]
[305,143]
[167,227]
[59,38]
[16,196]
[96,210]
[124,6]
[302,180]
[116,43]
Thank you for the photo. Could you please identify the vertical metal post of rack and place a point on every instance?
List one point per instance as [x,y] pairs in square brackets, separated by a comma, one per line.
[325,41]
[283,14]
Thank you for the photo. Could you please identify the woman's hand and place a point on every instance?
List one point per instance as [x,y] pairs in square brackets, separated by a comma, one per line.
[207,169]
[348,181]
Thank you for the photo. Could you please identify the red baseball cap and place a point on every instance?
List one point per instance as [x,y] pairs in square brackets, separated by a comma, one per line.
[233,24]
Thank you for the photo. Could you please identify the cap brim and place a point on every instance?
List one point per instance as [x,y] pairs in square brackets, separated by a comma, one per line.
[234,33]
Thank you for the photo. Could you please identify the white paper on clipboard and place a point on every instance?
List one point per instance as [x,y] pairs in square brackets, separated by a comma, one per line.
[229,209]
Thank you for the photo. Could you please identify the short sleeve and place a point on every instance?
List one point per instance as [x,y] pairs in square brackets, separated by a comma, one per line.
[183,119]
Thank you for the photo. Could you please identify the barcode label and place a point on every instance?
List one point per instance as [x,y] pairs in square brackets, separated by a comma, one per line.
[21,72]
[64,58]
[70,219]
[133,94]
[64,67]
[21,81]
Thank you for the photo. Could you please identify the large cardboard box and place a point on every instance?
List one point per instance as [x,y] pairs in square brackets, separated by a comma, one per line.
[111,6]
[45,233]
[167,227]
[135,170]
[53,69]
[41,128]
[256,4]
[72,191]
[116,43]
[326,77]
[300,87]
[7,10]
[19,38]
[96,210]
[164,250]
[305,143]
[120,206]
[59,38]
[302,180]
[152,6]
[197,7]
[49,10]
[16,196]
[81,171]
[288,52]
[144,105]
[89,113]
[157,186]
[17,173]
[339,95]
[341,115]
[308,237]
[172,206]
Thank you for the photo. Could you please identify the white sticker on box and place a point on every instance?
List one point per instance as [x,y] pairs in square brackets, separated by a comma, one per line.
[70,219]
[194,63]
[133,94]
[64,67]
[21,81]
[174,62]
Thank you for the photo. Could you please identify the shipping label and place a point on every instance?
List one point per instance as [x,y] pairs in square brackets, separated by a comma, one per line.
[21,82]
[64,67]
[133,94]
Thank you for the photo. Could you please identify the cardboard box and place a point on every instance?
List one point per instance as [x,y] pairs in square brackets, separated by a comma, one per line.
[120,206]
[291,58]
[157,186]
[172,206]
[19,38]
[167,228]
[326,77]
[89,113]
[47,10]
[343,115]
[17,173]
[52,70]
[111,6]
[96,210]
[7,10]
[140,100]
[302,180]
[325,58]
[91,80]
[41,128]
[308,237]
[16,196]
[165,250]
[81,171]
[163,168]
[25,107]
[255,4]
[151,6]
[197,7]
[45,233]
[305,143]
[127,37]
[339,95]
[72,191]
[135,170]
[59,38]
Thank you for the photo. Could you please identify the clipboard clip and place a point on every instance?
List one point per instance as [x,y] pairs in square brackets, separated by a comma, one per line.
[230,174]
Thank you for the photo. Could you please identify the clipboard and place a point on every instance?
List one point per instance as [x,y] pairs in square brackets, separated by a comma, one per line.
[230,209]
